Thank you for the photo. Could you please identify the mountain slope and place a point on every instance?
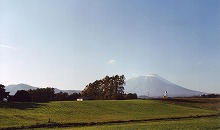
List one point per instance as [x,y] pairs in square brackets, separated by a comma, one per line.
[13,89]
[155,86]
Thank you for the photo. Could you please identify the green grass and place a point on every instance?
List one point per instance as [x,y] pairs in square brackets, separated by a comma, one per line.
[25,114]
[203,103]
[206,123]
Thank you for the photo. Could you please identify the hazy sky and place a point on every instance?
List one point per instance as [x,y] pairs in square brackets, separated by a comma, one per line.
[69,43]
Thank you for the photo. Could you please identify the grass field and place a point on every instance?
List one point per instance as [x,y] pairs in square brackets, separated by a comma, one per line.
[27,114]
[207,123]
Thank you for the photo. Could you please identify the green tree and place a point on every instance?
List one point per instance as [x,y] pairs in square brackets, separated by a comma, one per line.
[21,96]
[107,88]
[3,94]
[61,96]
[42,94]
[74,96]
[93,90]
[131,96]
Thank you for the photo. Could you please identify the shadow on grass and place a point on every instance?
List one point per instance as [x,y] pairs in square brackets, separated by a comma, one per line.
[193,100]
[183,100]
[21,105]
[202,103]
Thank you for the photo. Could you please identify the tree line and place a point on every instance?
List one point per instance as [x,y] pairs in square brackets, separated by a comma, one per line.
[209,96]
[37,95]
[108,88]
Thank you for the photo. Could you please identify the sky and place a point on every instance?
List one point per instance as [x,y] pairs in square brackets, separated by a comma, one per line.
[69,44]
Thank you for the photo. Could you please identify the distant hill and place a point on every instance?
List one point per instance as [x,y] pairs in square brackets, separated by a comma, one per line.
[13,89]
[155,86]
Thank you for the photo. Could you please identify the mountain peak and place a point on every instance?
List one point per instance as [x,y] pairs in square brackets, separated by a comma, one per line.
[152,85]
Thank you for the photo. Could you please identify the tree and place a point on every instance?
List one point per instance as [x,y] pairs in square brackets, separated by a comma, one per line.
[74,96]
[114,87]
[93,90]
[61,96]
[42,94]
[107,88]
[3,94]
[131,96]
[21,96]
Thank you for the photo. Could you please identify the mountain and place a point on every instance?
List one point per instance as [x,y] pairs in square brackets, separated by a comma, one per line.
[13,89]
[155,86]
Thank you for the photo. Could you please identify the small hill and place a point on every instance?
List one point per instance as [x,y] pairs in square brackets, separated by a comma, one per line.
[15,87]
[155,86]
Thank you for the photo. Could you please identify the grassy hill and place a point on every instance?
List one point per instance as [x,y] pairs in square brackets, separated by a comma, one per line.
[27,114]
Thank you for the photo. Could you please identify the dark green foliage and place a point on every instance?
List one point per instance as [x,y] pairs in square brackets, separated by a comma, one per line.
[21,96]
[48,94]
[63,96]
[131,96]
[210,96]
[107,88]
[42,94]
[74,96]
[3,94]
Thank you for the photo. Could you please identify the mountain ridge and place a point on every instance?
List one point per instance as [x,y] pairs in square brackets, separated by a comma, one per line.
[13,88]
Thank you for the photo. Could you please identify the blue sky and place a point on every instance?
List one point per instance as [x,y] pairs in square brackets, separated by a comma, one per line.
[68,44]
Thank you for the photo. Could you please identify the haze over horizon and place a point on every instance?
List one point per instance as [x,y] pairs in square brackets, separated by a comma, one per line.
[69,44]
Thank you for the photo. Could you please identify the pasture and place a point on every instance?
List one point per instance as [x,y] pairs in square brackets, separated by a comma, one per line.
[206,123]
[110,114]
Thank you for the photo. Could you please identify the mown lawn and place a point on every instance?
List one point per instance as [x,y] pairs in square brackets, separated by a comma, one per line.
[25,114]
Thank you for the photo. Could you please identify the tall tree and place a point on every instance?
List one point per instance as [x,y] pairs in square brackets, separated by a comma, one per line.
[3,94]
[106,88]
